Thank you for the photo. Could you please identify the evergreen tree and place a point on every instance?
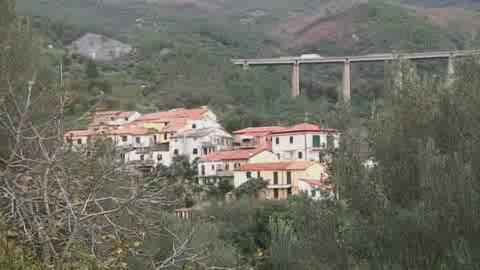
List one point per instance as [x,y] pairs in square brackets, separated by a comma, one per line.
[91,69]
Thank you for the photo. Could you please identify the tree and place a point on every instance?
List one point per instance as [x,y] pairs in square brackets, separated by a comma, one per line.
[91,69]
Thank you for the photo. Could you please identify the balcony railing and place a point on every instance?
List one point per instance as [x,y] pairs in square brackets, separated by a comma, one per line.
[279,186]
[222,173]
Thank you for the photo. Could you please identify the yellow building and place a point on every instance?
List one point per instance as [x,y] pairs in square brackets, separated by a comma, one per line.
[282,177]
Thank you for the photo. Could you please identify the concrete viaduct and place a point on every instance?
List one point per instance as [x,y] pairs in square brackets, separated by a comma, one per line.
[295,62]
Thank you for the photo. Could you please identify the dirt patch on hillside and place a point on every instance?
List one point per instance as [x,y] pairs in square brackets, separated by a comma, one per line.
[444,17]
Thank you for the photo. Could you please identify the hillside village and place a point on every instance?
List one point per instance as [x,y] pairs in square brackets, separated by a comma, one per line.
[292,160]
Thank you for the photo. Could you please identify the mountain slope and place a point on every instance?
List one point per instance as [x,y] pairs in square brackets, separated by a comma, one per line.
[184,47]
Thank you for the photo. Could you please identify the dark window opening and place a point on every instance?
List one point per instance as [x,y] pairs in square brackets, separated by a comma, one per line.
[277,140]
[300,155]
[124,138]
[137,139]
[175,152]
[159,157]
[291,139]
[195,151]
[289,178]
[275,178]
[275,193]
[249,175]
[316,141]
[79,141]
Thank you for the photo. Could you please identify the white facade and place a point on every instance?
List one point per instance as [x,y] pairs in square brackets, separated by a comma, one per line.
[200,142]
[302,146]
[132,141]
[222,168]
[156,157]
[120,121]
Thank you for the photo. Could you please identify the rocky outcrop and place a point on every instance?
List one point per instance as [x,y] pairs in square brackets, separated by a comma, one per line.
[100,48]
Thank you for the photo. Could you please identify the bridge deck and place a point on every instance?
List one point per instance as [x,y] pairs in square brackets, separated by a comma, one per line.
[363,58]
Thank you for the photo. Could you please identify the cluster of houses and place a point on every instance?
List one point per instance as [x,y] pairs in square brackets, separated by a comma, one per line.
[291,159]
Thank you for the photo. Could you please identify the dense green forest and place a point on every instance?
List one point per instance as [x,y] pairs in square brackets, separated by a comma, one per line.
[183,54]
[417,209]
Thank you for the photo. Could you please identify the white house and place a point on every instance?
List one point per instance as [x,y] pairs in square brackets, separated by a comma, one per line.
[196,143]
[254,137]
[149,156]
[316,189]
[304,142]
[220,166]
[132,137]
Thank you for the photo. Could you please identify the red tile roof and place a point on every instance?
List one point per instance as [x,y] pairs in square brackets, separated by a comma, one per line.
[114,113]
[277,166]
[320,183]
[233,155]
[192,114]
[304,127]
[251,130]
[130,131]
[81,133]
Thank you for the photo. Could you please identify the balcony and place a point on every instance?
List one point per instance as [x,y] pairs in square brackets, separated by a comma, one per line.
[279,186]
[222,173]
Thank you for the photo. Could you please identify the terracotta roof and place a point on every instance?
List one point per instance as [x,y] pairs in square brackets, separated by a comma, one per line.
[320,183]
[130,131]
[114,113]
[251,130]
[304,127]
[277,166]
[192,114]
[80,133]
[232,155]
[175,125]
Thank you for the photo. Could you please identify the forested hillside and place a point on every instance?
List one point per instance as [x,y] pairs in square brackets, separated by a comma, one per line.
[184,48]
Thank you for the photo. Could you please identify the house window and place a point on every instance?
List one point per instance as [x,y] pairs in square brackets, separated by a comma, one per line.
[249,175]
[227,167]
[194,126]
[203,169]
[289,191]
[213,167]
[159,157]
[79,141]
[137,139]
[69,140]
[291,139]
[165,136]
[175,152]
[142,157]
[300,155]
[126,118]
[316,141]
[124,138]
[195,151]
[205,151]
[278,156]
[275,178]
[277,140]
[155,138]
[275,193]
[258,175]
[112,118]
[289,178]
[122,155]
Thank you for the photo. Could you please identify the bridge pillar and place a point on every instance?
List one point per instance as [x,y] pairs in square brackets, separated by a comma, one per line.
[346,81]
[450,70]
[296,80]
